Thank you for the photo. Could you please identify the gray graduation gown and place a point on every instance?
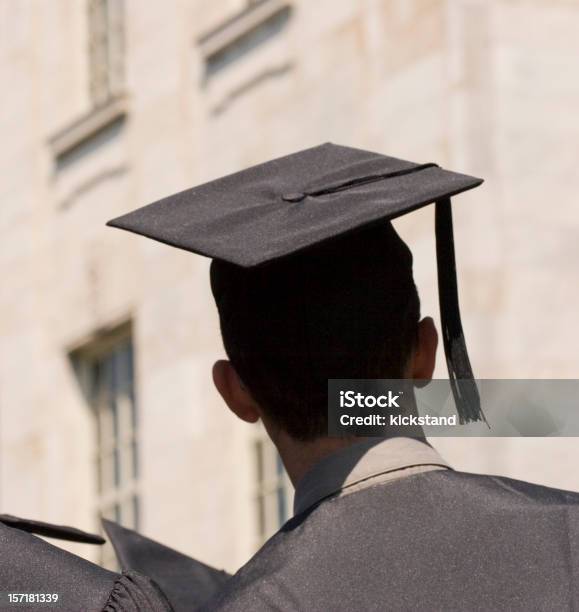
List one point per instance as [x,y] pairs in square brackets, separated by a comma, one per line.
[28,564]
[380,526]
[435,540]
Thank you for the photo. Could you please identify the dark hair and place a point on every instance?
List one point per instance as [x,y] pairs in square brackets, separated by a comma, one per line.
[345,309]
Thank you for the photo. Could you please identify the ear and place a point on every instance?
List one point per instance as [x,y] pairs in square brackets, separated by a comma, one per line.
[235,395]
[424,358]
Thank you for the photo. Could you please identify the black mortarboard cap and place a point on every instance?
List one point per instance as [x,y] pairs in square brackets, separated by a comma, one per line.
[276,209]
[49,530]
[186,582]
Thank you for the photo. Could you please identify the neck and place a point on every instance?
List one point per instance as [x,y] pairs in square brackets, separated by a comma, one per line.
[299,457]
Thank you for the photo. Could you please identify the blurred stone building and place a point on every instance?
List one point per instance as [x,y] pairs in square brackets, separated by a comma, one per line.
[107,340]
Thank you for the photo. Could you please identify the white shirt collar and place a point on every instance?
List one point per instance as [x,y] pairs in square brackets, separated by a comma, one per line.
[364,464]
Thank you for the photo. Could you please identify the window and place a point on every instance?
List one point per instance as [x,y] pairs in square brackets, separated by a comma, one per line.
[273,494]
[104,120]
[106,372]
[106,49]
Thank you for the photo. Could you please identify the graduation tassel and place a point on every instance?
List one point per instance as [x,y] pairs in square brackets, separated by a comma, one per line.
[464,389]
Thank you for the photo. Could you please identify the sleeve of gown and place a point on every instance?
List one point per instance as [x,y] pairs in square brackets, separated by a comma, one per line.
[133,592]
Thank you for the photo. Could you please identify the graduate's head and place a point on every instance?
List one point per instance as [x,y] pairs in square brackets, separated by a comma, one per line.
[347,308]
[310,279]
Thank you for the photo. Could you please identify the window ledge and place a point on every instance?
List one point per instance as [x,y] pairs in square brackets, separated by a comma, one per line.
[225,35]
[87,126]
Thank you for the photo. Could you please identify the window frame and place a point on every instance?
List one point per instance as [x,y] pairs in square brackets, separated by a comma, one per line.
[106,50]
[120,428]
[272,494]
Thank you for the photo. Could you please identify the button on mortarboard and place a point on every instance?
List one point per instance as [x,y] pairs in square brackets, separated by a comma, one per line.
[293,197]
[248,219]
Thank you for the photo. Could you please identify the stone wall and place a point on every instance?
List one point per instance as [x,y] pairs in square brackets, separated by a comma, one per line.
[487,87]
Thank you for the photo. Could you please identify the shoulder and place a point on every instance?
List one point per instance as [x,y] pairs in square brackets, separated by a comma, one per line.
[263,582]
[410,521]
[32,565]
[465,482]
